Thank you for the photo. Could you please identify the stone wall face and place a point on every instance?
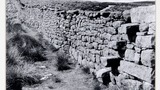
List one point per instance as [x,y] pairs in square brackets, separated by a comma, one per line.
[103,41]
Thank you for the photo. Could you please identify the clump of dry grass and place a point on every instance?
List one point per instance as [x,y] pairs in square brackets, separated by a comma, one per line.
[86,70]
[21,50]
[62,62]
[27,46]
[19,75]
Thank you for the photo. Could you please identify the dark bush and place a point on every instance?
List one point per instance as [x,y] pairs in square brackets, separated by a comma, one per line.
[86,70]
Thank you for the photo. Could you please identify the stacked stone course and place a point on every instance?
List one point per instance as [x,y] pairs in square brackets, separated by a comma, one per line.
[119,44]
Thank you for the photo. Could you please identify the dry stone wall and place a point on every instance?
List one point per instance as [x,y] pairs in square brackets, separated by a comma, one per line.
[115,45]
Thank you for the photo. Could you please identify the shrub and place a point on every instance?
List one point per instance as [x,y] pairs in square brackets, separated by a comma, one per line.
[86,70]
[97,87]
[17,76]
[27,46]
[62,62]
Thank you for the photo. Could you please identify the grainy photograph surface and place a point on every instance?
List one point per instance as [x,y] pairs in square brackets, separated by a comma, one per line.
[80,44]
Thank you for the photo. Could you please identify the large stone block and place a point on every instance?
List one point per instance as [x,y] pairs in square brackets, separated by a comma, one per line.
[148,57]
[129,26]
[145,41]
[129,55]
[139,71]
[144,14]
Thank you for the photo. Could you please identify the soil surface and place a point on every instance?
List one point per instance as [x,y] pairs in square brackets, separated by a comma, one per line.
[72,79]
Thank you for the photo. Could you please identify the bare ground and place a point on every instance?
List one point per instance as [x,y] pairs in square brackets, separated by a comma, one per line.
[73,79]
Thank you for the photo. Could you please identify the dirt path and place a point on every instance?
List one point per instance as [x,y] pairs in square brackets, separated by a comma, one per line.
[73,79]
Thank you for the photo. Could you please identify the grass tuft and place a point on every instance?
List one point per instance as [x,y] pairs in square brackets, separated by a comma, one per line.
[86,70]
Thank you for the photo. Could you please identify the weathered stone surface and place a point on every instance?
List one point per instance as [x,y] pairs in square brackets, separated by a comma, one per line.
[104,61]
[152,28]
[93,58]
[126,16]
[91,64]
[111,30]
[138,50]
[105,42]
[117,24]
[105,51]
[136,57]
[148,57]
[112,44]
[84,62]
[115,38]
[97,58]
[101,71]
[131,84]
[124,37]
[108,36]
[121,77]
[147,86]
[112,78]
[129,55]
[113,87]
[139,71]
[143,27]
[145,41]
[143,14]
[97,66]
[130,46]
[115,15]
[95,45]
[125,27]
[80,59]
[112,52]
[141,33]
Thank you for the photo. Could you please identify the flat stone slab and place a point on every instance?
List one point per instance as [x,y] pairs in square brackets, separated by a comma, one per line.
[139,71]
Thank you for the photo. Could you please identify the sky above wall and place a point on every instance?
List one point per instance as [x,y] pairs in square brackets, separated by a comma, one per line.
[118,0]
